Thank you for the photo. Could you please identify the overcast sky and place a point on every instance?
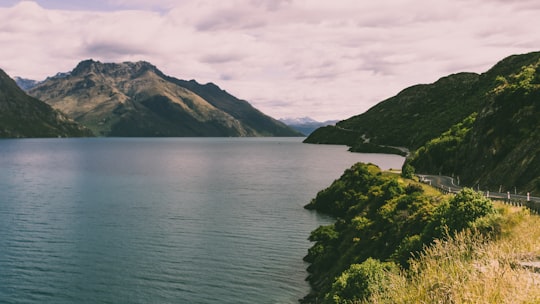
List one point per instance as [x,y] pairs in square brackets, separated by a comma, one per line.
[289,58]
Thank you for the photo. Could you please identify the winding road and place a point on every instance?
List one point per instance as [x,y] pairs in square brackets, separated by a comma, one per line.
[447,183]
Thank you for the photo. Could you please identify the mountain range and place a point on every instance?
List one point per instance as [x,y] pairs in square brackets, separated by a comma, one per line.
[24,116]
[306,125]
[136,99]
[482,128]
[24,83]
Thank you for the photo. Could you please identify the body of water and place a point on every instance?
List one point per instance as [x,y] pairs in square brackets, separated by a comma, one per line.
[190,220]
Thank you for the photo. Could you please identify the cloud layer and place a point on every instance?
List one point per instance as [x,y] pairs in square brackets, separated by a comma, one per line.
[289,58]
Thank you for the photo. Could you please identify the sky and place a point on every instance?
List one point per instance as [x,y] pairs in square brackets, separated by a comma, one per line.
[288,58]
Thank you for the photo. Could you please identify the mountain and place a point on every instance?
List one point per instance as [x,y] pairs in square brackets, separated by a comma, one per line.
[239,109]
[403,120]
[24,83]
[421,112]
[306,125]
[136,99]
[497,148]
[483,128]
[410,118]
[25,116]
[28,84]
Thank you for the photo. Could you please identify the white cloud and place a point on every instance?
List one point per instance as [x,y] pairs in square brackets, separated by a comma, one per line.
[325,59]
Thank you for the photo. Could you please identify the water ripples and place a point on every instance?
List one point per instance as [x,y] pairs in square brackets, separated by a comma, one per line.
[160,220]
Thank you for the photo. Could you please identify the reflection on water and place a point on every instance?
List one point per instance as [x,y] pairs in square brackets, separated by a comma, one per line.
[187,220]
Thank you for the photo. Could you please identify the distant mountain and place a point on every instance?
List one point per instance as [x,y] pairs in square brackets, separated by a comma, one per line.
[306,125]
[498,147]
[299,121]
[25,116]
[24,83]
[136,99]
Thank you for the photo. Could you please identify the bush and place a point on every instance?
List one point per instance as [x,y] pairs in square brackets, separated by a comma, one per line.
[360,281]
[407,171]
[458,213]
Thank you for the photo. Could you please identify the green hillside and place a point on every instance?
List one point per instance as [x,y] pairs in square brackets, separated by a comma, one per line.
[397,241]
[480,128]
[381,219]
[422,112]
[408,119]
[499,148]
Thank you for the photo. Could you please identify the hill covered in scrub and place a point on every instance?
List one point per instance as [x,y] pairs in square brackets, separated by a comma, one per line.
[483,128]
[422,112]
[136,99]
[410,118]
[498,147]
[398,241]
[25,116]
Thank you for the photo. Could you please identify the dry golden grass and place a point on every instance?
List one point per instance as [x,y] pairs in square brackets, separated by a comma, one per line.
[469,268]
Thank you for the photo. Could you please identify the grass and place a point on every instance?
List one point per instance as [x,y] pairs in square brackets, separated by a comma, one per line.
[471,268]
[428,190]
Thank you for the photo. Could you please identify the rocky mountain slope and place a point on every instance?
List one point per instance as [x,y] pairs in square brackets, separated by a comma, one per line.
[25,83]
[136,99]
[25,116]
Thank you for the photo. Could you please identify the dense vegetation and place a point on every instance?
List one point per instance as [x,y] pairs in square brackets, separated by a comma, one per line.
[422,112]
[381,219]
[410,118]
[444,154]
[500,147]
[373,148]
[24,116]
[470,268]
[483,128]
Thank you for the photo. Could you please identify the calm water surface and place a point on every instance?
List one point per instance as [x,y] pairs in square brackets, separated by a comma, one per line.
[161,220]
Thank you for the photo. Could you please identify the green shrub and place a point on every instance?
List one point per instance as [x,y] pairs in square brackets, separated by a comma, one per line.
[407,171]
[360,281]
[458,213]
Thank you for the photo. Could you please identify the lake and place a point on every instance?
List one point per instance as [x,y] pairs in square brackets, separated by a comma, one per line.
[174,220]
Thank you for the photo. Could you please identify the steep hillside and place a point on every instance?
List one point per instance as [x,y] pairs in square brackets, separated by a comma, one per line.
[410,118]
[422,112]
[136,99]
[25,116]
[499,148]
[381,220]
[237,108]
